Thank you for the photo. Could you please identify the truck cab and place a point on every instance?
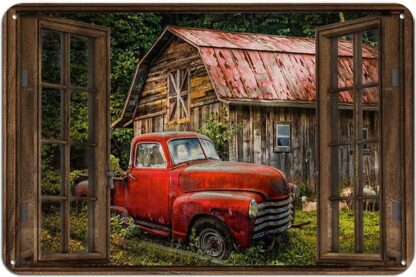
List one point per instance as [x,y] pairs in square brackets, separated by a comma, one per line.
[177,186]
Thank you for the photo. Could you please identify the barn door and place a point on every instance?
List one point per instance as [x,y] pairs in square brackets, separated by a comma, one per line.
[64,140]
[360,188]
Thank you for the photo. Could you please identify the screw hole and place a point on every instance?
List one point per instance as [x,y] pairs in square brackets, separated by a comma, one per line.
[401,16]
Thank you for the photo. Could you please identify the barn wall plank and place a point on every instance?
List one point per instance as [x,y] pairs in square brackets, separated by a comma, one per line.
[153,100]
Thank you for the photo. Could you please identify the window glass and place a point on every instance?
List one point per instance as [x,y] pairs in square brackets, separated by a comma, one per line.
[283,135]
[150,155]
[183,150]
[209,149]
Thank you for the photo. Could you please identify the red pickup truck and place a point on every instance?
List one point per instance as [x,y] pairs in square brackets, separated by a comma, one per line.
[176,185]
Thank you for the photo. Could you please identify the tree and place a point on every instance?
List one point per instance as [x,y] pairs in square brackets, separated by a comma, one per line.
[133,33]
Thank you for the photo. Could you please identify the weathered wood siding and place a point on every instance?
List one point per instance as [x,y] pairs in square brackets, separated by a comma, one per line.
[151,112]
[254,141]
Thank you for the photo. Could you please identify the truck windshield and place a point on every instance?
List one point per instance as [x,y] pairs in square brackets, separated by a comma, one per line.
[209,149]
[189,149]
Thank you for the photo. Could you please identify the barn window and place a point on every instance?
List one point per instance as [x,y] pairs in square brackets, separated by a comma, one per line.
[178,100]
[283,137]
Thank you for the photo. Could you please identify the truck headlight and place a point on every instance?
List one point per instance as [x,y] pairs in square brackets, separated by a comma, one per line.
[253,208]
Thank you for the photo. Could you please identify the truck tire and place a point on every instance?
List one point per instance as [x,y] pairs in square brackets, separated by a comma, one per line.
[212,238]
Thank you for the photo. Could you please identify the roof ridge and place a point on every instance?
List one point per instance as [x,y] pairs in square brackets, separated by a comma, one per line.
[238,33]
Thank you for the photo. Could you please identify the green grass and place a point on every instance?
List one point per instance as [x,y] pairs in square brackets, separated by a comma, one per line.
[130,247]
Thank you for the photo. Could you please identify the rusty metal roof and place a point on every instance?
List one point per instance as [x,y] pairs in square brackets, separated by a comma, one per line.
[256,68]
[245,66]
[257,42]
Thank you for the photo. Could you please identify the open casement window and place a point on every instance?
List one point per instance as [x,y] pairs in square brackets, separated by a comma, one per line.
[63,191]
[361,170]
[178,96]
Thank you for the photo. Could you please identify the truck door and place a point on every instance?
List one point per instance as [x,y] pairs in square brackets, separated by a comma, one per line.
[148,188]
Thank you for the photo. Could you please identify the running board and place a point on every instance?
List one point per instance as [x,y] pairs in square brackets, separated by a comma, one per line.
[152,225]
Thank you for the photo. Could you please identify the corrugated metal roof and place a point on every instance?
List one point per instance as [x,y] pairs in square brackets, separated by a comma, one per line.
[259,68]
[265,67]
[258,42]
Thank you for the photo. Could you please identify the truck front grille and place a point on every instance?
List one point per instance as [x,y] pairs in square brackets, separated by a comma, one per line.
[273,217]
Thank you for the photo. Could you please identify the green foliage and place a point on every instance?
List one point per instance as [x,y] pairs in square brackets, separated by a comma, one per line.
[129,246]
[133,33]
[120,145]
[115,165]
[220,131]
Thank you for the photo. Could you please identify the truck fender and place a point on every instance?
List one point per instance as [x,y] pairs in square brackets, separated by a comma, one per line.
[230,207]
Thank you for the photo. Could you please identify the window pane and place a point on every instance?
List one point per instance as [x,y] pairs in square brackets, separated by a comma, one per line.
[342,117]
[371,189]
[51,233]
[345,61]
[81,170]
[150,155]
[283,142]
[209,149]
[371,112]
[372,231]
[52,169]
[52,117]
[346,230]
[283,130]
[342,211]
[79,61]
[78,227]
[370,56]
[182,150]
[344,166]
[81,108]
[51,56]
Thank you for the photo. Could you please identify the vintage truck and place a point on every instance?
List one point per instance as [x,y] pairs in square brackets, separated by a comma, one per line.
[176,186]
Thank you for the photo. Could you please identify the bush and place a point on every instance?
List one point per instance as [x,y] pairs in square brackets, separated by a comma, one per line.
[219,130]
[115,165]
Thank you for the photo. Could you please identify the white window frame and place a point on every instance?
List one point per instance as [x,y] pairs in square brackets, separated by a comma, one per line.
[283,148]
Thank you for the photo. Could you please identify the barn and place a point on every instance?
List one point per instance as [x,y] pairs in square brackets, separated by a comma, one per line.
[266,83]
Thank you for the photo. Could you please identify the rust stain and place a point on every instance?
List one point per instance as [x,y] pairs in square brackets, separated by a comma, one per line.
[246,66]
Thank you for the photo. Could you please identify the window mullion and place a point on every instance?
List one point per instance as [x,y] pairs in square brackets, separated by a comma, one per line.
[66,210]
[358,161]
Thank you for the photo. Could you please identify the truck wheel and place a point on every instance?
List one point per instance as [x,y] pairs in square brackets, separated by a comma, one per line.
[213,238]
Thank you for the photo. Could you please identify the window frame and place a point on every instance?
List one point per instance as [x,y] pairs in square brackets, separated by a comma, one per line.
[136,148]
[278,148]
[12,127]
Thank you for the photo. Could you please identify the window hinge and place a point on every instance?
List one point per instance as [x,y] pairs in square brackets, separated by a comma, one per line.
[395,77]
[23,78]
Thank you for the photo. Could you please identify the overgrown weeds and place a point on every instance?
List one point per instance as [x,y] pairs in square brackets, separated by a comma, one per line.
[130,246]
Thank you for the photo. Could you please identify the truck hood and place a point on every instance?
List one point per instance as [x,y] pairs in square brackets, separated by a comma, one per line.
[234,176]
